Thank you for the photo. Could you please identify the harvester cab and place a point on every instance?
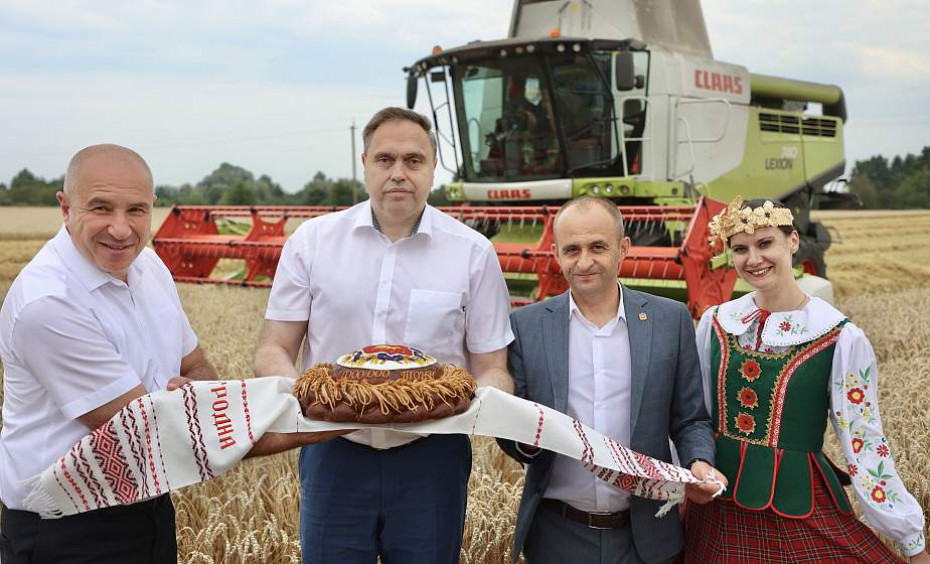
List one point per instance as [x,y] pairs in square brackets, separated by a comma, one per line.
[624,100]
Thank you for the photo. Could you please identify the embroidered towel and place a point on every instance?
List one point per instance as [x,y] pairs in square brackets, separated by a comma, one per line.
[167,440]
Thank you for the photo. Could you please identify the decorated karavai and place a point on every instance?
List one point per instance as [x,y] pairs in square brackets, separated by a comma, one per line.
[384,384]
[777,364]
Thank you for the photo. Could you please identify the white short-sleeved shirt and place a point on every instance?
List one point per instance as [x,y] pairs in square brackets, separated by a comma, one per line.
[73,338]
[440,290]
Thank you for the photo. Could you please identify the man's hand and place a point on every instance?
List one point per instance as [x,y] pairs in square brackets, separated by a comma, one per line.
[273,443]
[176,382]
[921,558]
[702,493]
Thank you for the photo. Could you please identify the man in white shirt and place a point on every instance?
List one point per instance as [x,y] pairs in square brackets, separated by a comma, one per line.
[389,270]
[624,363]
[89,325]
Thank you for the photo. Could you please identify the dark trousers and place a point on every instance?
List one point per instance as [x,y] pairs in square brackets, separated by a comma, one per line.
[405,504]
[142,533]
[553,539]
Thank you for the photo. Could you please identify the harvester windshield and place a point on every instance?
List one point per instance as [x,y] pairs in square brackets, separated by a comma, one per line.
[531,117]
[537,110]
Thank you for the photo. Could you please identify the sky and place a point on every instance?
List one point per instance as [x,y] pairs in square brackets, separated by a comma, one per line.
[274,86]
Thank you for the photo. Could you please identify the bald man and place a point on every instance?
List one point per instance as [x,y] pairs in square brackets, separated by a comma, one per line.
[90,324]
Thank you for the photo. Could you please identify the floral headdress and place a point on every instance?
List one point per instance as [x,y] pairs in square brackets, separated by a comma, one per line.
[737,219]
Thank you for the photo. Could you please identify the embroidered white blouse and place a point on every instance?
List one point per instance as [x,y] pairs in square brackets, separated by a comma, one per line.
[887,504]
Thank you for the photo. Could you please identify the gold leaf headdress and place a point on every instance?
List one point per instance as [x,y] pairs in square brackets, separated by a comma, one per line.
[736,219]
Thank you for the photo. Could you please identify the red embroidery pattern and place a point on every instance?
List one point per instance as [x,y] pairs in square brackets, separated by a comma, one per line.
[745,423]
[84,473]
[135,446]
[781,388]
[621,480]
[248,415]
[87,475]
[721,374]
[748,398]
[161,457]
[64,489]
[539,425]
[648,466]
[104,443]
[148,443]
[855,395]
[195,432]
[750,370]
[64,470]
[587,453]
[477,413]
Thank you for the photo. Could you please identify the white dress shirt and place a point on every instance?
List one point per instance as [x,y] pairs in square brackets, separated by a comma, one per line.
[73,338]
[440,290]
[599,388]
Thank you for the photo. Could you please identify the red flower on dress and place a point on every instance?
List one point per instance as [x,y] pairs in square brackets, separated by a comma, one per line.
[855,395]
[745,423]
[853,469]
[748,398]
[882,450]
[750,370]
[878,494]
[857,445]
[785,326]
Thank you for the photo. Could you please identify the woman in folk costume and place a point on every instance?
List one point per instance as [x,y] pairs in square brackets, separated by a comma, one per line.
[776,363]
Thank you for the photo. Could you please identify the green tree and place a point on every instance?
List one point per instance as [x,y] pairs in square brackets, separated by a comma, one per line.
[26,189]
[240,194]
[914,191]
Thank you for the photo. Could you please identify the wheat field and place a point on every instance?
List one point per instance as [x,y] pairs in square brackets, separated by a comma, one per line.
[881,273]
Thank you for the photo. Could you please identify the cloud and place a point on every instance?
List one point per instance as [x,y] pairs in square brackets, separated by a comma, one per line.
[273,85]
[187,127]
[892,64]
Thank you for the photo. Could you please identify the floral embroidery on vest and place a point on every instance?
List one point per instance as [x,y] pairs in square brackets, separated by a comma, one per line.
[746,423]
[748,398]
[750,370]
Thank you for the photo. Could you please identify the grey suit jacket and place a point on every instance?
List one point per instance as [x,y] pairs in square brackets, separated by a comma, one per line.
[667,401]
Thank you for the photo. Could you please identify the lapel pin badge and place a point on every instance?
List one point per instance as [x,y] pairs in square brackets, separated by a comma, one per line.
[643,316]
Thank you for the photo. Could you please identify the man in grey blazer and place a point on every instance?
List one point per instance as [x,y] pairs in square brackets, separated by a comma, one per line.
[624,363]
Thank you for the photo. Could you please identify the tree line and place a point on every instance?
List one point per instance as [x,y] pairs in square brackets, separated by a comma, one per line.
[227,185]
[903,182]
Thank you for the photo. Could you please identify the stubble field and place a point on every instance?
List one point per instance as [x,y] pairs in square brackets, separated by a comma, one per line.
[881,273]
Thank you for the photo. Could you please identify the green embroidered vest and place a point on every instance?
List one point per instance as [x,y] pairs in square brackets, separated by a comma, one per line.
[770,411]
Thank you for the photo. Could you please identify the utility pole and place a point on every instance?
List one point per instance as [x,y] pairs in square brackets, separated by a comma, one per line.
[354,158]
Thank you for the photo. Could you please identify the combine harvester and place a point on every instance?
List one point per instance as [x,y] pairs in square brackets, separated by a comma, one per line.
[620,99]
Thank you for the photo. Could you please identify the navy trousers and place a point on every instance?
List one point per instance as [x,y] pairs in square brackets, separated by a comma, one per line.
[405,504]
